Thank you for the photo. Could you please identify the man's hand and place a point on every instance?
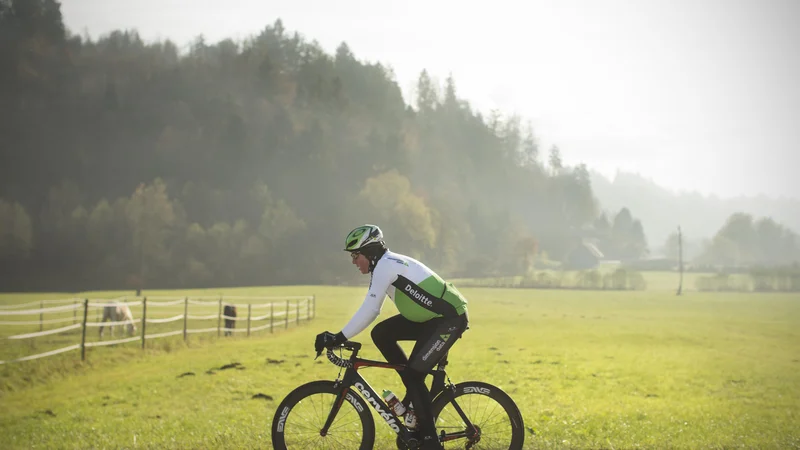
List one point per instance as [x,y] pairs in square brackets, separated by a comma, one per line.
[328,340]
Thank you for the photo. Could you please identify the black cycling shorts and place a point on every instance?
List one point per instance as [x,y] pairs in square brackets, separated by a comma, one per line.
[433,339]
[434,344]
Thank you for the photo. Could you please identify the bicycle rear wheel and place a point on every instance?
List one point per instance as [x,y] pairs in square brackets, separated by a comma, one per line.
[495,418]
[302,414]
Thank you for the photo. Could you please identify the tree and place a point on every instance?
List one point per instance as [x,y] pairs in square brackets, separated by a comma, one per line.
[450,98]
[739,230]
[16,231]
[602,226]
[556,163]
[525,253]
[637,247]
[671,246]
[776,244]
[151,216]
[391,198]
[427,97]
[627,240]
[744,241]
[530,148]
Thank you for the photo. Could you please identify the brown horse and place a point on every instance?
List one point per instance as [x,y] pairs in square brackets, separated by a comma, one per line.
[230,311]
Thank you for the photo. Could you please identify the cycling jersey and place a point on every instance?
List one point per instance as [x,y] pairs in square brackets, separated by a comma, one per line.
[418,293]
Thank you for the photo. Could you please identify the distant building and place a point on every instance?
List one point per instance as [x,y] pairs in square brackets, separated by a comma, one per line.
[585,255]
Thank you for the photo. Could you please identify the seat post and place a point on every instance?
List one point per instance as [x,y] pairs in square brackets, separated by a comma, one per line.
[443,361]
[438,375]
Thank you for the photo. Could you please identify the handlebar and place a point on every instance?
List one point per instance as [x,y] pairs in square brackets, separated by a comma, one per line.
[341,362]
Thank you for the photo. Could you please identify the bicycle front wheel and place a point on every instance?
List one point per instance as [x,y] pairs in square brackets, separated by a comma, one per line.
[299,419]
[478,416]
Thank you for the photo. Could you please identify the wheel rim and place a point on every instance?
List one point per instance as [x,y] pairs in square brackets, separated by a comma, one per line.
[494,427]
[303,428]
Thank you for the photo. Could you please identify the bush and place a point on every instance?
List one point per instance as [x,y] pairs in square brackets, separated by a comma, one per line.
[589,279]
[619,279]
[776,279]
[662,265]
[545,280]
[722,282]
[636,281]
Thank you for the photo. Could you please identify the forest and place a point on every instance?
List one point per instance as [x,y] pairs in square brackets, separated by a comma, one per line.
[126,163]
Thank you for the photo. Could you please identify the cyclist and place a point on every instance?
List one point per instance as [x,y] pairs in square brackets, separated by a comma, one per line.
[432,312]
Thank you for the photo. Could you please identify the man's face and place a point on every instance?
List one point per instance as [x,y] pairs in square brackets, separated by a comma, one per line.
[360,261]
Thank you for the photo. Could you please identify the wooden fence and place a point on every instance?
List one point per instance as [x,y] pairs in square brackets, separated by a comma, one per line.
[276,312]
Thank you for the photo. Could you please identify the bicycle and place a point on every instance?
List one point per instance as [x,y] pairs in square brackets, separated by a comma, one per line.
[337,428]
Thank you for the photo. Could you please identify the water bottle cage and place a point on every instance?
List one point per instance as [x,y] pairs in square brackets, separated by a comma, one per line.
[410,419]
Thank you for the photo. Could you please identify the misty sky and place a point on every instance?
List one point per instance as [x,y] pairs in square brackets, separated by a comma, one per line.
[695,94]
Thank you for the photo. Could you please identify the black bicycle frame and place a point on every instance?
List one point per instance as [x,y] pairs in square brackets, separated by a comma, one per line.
[354,379]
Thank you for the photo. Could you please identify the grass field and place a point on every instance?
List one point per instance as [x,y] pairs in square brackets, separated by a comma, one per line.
[655,280]
[588,370]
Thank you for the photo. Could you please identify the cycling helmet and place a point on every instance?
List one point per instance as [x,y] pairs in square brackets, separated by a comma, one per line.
[365,236]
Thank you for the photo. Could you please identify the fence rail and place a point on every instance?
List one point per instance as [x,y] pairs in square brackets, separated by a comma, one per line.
[41,303]
[282,311]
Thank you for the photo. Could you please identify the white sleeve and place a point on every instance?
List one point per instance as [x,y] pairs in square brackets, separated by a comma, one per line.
[371,307]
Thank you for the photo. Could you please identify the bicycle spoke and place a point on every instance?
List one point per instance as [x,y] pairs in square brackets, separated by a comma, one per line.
[484,413]
[309,415]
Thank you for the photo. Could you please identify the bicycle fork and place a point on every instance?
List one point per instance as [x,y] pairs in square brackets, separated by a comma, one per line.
[337,405]
[372,399]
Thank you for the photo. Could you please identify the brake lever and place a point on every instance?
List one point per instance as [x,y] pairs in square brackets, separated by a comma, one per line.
[340,346]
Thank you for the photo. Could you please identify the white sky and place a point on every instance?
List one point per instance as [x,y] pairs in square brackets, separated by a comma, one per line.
[696,94]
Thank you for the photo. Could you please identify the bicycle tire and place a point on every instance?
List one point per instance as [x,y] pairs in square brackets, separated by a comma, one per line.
[283,414]
[470,388]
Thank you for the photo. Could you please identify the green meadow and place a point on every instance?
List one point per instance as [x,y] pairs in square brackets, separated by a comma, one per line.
[610,370]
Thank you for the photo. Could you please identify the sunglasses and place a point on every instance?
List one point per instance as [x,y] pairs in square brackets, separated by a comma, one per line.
[354,255]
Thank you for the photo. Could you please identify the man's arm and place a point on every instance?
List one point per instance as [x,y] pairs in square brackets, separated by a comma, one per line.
[371,307]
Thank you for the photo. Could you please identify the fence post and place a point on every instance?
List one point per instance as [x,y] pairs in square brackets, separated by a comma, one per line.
[83,332]
[249,309]
[219,318]
[308,309]
[185,315]
[314,309]
[74,312]
[271,318]
[286,320]
[144,315]
[297,315]
[41,315]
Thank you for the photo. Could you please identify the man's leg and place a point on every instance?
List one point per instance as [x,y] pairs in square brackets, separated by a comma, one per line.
[388,333]
[439,336]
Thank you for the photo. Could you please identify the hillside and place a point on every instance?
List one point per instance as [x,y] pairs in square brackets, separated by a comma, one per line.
[661,211]
[246,162]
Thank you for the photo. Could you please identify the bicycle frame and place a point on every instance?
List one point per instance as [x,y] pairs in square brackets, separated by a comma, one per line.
[362,386]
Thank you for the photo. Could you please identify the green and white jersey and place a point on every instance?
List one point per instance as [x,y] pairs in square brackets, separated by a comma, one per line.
[417,291]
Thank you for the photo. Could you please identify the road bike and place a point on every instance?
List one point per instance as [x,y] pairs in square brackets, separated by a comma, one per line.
[334,414]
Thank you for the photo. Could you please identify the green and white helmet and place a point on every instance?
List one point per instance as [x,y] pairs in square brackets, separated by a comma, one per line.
[362,237]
